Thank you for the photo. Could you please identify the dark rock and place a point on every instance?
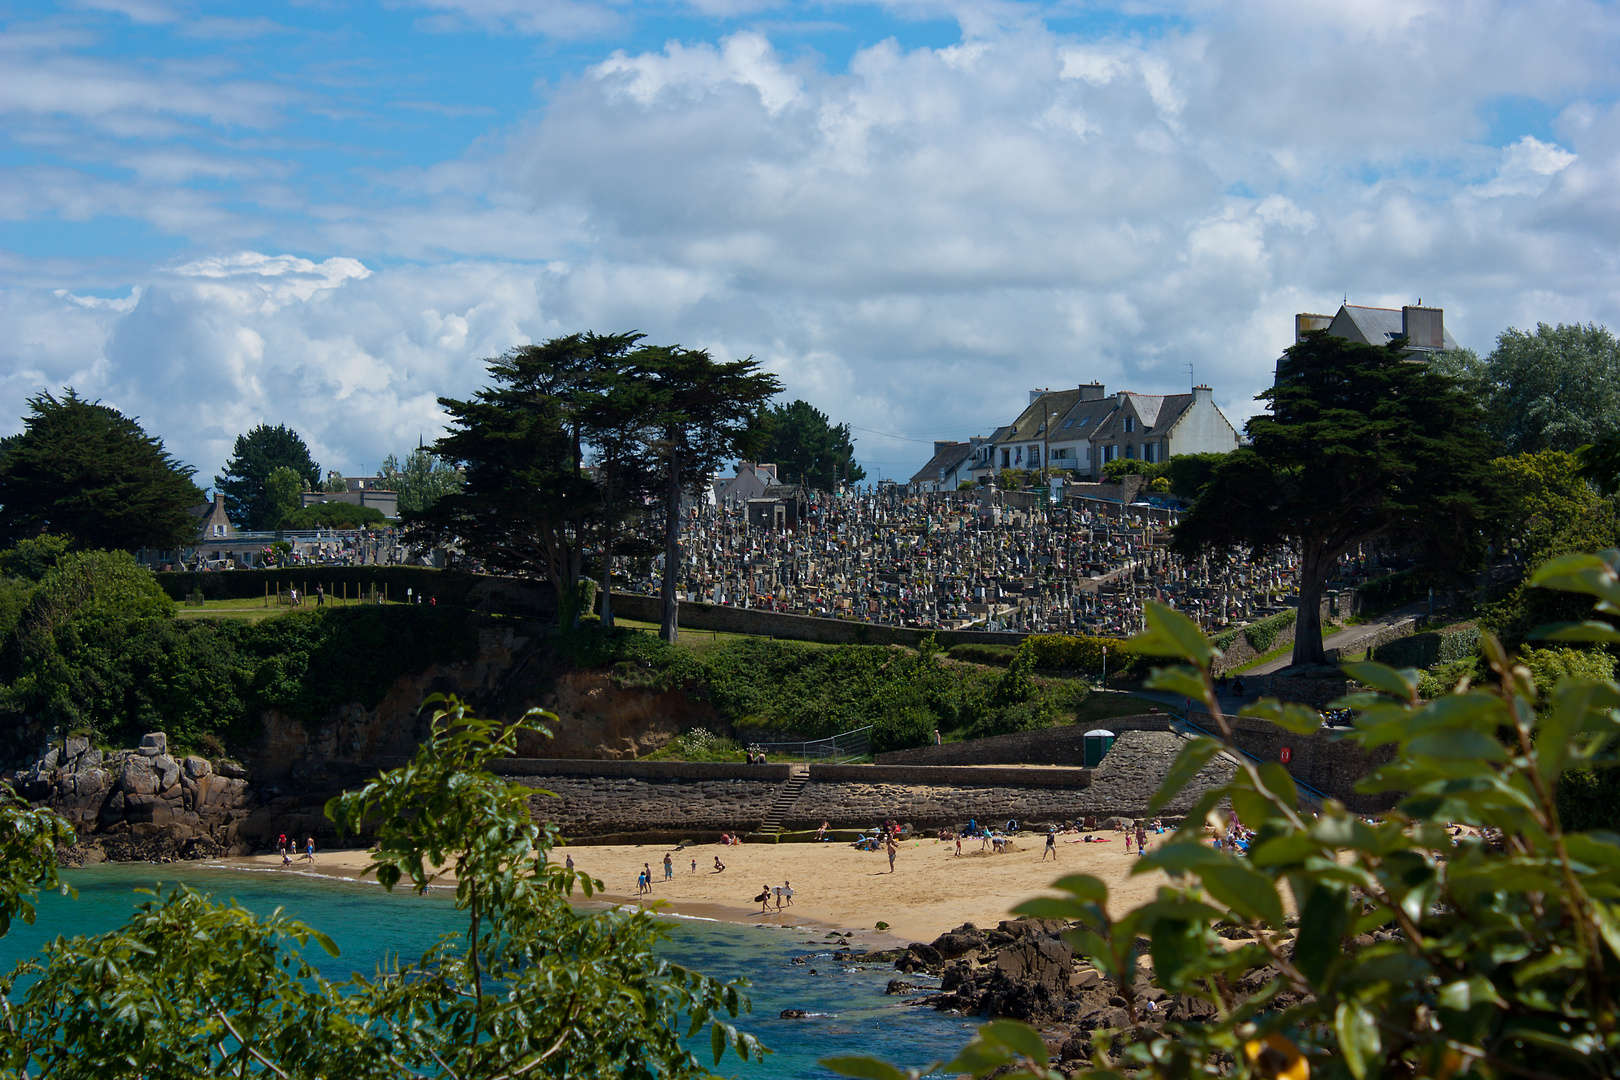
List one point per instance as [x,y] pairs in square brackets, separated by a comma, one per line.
[138,777]
[899,986]
[153,744]
[231,770]
[929,955]
[793,1014]
[196,766]
[958,943]
[76,746]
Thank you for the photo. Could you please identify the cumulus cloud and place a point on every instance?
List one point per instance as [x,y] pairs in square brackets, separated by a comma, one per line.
[911,241]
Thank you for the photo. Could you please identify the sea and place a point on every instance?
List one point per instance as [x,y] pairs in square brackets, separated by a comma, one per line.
[848,1012]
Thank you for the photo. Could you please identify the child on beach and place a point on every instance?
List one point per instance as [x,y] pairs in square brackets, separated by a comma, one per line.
[1051,845]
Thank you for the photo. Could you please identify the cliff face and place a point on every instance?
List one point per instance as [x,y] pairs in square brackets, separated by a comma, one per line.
[143,804]
[597,719]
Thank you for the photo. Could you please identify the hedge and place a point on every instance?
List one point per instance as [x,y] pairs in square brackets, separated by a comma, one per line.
[1261,634]
[1066,652]
[447,586]
[1428,649]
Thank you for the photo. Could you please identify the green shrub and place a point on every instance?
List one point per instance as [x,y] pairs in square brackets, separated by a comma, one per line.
[1067,652]
[989,655]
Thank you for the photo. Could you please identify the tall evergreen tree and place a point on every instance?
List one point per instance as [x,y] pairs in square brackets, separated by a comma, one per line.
[86,471]
[528,506]
[256,455]
[708,413]
[808,448]
[1359,445]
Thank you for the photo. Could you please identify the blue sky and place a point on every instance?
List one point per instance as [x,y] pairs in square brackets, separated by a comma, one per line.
[329,213]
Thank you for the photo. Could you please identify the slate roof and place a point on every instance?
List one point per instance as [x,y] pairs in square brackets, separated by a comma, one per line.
[1373,325]
[1041,416]
[948,457]
[1082,419]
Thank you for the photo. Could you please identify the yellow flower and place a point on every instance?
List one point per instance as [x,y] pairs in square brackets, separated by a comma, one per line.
[1277,1058]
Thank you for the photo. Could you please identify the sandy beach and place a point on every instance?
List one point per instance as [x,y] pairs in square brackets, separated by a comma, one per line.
[835,886]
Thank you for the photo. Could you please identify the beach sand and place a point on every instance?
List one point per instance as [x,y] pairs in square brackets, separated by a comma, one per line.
[835,886]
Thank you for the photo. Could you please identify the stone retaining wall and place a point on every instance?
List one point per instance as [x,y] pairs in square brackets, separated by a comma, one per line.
[593,805]
[1046,746]
[696,615]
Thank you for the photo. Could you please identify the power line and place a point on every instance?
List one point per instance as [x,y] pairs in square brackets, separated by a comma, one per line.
[890,435]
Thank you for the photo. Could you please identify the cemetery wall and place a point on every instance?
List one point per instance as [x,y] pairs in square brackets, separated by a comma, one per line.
[695,615]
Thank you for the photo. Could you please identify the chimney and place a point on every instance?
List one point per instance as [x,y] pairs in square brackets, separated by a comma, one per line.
[1304,323]
[941,444]
[1424,327]
[1091,391]
[1035,395]
[1203,393]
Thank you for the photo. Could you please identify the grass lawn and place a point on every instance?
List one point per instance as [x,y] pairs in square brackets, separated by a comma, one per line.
[252,609]
[1105,704]
[701,639]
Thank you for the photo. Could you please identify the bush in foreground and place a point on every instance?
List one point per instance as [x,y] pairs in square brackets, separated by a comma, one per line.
[533,988]
[1416,951]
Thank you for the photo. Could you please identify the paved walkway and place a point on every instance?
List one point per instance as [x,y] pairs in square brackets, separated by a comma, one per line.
[1349,637]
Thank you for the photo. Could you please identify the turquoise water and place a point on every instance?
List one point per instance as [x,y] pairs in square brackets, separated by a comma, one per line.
[850,1014]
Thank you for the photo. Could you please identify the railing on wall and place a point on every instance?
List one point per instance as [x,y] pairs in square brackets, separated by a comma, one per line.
[849,746]
[1307,794]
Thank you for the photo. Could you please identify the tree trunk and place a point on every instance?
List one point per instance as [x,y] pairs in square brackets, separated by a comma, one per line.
[607,552]
[576,555]
[672,545]
[1314,567]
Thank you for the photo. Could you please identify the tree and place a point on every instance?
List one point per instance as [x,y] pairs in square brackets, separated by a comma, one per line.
[1410,950]
[527,505]
[707,414]
[616,412]
[807,448]
[336,515]
[532,988]
[1360,445]
[1555,389]
[422,480]
[283,496]
[85,471]
[256,455]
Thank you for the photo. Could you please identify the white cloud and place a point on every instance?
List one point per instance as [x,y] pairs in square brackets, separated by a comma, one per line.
[911,242]
[1527,167]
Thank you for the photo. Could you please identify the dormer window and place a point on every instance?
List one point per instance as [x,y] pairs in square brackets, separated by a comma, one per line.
[1130,424]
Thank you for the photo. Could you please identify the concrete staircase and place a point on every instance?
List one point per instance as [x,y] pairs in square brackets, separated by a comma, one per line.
[798,777]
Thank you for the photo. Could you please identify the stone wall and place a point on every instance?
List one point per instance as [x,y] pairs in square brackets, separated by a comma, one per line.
[1046,746]
[595,805]
[696,615]
[1325,761]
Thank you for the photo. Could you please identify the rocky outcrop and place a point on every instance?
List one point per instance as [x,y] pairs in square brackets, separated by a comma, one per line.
[599,717]
[1023,969]
[140,803]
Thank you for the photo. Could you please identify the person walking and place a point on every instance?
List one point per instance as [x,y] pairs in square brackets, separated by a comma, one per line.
[645,869]
[1141,841]
[309,850]
[1051,845]
[669,867]
[894,850]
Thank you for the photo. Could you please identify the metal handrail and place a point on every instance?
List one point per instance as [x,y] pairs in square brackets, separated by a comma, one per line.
[833,748]
[1310,794]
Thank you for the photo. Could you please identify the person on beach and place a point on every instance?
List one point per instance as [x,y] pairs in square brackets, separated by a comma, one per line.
[1141,841]
[694,865]
[648,871]
[764,899]
[1127,843]
[1051,845]
[669,867]
[776,891]
[787,892]
[641,882]
[718,865]
[281,844]
[286,858]
[570,864]
[309,850]
[893,851]
[958,846]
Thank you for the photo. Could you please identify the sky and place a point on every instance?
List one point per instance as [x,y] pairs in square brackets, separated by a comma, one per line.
[330,213]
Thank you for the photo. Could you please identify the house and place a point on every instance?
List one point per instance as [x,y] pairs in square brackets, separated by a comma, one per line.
[1023,445]
[212,524]
[947,469]
[750,483]
[1157,427]
[780,508]
[1424,328]
[982,466]
[1069,447]
[362,491]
